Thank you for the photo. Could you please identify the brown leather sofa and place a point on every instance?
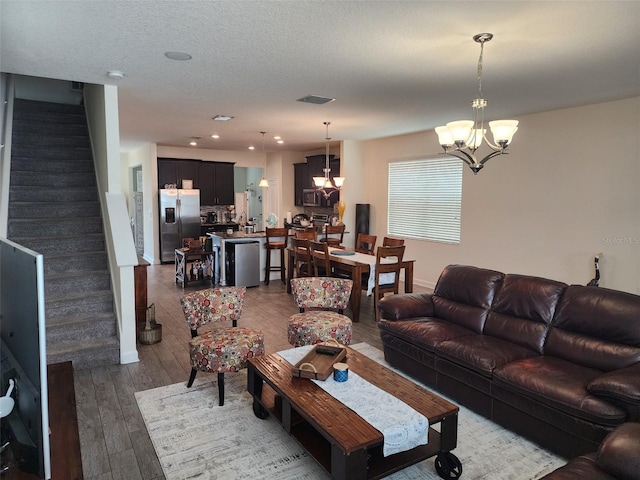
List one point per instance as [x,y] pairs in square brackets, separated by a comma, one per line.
[555,363]
[617,458]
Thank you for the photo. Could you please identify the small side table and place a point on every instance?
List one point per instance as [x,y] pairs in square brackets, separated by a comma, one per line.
[182,259]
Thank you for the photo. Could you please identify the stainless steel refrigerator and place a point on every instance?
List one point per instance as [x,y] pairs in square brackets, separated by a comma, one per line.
[179,218]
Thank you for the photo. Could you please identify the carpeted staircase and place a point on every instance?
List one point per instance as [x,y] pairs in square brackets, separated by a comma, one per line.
[54,210]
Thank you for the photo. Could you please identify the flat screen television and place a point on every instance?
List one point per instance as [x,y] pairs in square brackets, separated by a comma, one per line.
[23,356]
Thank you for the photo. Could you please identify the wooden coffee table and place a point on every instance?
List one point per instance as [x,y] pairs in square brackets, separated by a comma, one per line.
[340,440]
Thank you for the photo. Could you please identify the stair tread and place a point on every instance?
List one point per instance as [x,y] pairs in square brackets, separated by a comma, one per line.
[77,319]
[89,253]
[77,296]
[88,344]
[77,273]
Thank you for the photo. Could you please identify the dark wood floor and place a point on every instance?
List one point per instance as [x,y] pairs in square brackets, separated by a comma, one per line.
[113,438]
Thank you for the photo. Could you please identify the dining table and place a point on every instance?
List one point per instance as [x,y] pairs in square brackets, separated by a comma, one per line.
[354,264]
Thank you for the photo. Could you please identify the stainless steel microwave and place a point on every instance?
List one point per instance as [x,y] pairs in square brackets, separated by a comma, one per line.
[310,198]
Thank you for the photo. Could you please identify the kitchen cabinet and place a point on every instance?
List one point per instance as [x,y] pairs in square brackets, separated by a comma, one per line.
[301,181]
[167,172]
[174,170]
[216,183]
[213,179]
[315,166]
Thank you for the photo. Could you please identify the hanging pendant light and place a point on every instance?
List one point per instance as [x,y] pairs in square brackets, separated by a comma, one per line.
[462,138]
[263,180]
[323,184]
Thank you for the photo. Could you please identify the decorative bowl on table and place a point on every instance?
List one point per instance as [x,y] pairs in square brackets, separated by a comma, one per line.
[304,223]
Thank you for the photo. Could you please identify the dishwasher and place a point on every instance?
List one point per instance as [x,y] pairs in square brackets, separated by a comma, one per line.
[243,264]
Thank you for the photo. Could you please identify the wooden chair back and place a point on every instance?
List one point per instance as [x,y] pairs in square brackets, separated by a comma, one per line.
[366,243]
[320,257]
[308,234]
[333,234]
[276,237]
[392,242]
[383,266]
[302,262]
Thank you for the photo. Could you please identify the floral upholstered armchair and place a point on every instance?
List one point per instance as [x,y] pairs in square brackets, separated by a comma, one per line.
[223,349]
[328,297]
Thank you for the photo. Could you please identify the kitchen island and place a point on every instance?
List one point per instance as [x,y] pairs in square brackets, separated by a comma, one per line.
[220,241]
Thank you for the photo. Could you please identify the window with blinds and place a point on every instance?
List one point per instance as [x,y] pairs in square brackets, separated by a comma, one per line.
[425,199]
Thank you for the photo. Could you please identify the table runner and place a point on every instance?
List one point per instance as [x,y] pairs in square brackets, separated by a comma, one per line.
[385,278]
[402,427]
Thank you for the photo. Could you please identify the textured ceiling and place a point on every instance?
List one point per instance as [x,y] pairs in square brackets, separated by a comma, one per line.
[394,67]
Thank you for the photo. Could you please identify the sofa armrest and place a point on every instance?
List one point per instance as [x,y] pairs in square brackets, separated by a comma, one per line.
[622,386]
[406,305]
[619,452]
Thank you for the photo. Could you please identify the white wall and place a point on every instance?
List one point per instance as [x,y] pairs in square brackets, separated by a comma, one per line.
[568,190]
[145,157]
[102,116]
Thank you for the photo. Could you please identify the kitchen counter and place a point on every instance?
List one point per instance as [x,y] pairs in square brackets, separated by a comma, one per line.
[237,235]
[221,224]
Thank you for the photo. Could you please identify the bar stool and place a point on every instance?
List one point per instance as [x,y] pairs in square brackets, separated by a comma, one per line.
[276,239]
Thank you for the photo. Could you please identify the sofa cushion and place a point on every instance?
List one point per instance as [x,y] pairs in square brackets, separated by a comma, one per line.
[596,327]
[561,385]
[426,333]
[464,294]
[482,353]
[523,309]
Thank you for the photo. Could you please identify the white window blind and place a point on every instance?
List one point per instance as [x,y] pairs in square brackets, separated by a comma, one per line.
[425,198]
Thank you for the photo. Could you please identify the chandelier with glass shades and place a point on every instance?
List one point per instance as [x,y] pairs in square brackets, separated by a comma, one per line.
[323,184]
[462,138]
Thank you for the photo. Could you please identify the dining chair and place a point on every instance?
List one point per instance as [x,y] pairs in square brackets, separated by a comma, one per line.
[392,242]
[320,258]
[302,261]
[321,301]
[333,235]
[221,349]
[308,234]
[383,270]
[366,243]
[275,239]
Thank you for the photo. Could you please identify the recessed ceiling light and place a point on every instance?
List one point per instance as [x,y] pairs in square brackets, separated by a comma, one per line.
[193,143]
[115,74]
[280,141]
[252,147]
[177,56]
[222,118]
[215,136]
[317,99]
[276,137]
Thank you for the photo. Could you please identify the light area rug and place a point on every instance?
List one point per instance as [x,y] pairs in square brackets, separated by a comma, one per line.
[195,438]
